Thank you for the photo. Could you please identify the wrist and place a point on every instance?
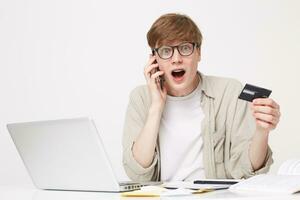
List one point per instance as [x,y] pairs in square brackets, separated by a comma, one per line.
[262,131]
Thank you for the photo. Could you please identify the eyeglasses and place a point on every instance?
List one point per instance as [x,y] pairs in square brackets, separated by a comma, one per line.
[184,49]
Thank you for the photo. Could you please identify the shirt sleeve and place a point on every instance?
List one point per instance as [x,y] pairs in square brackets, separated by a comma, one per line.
[241,130]
[135,119]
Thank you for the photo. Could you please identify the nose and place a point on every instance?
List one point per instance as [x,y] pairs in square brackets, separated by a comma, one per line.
[176,58]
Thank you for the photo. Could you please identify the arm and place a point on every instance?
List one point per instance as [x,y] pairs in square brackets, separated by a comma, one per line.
[266,113]
[144,146]
[247,144]
[140,153]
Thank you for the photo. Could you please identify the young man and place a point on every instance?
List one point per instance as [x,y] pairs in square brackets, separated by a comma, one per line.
[192,126]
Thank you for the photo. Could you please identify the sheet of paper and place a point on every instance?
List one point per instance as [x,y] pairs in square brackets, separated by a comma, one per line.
[159,191]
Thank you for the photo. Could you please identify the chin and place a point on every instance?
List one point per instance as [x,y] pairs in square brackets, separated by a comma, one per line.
[177,87]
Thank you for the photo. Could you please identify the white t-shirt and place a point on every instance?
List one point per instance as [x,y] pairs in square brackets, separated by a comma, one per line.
[180,139]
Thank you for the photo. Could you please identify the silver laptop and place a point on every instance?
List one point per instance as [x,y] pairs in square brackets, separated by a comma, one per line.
[66,154]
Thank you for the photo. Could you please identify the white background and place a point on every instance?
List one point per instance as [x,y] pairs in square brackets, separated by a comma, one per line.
[71,58]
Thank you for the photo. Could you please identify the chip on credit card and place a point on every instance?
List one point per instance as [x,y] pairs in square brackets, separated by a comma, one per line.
[251,92]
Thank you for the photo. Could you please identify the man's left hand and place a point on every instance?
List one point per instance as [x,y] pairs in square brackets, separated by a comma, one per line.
[266,113]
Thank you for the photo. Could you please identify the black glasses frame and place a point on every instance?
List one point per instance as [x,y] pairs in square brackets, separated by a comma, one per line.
[173,47]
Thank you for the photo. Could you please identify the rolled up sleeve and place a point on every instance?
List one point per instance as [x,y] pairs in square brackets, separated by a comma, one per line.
[242,128]
[134,121]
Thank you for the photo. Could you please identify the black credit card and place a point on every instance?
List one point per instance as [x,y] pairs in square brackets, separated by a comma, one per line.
[251,92]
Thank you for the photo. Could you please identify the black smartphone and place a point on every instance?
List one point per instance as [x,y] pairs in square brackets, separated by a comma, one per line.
[159,79]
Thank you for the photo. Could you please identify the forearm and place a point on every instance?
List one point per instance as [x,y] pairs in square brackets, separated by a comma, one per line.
[144,146]
[258,148]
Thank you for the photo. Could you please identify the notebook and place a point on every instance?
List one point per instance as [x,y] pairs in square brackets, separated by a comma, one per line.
[286,181]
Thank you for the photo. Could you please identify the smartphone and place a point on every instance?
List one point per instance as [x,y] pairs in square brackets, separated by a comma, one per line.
[159,79]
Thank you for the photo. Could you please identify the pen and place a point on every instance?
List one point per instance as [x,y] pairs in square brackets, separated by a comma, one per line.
[222,182]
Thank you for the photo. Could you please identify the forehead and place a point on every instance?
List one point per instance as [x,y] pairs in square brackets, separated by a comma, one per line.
[170,43]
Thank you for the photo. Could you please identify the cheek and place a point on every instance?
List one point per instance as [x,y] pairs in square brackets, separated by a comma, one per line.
[193,64]
[162,66]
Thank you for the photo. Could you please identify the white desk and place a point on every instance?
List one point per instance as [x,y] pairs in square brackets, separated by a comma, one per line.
[22,193]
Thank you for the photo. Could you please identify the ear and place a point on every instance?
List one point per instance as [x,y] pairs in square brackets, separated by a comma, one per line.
[199,54]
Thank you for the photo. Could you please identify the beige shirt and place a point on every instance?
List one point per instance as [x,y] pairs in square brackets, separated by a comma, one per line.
[227,130]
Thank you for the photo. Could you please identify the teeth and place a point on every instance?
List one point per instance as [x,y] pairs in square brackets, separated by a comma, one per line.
[178,70]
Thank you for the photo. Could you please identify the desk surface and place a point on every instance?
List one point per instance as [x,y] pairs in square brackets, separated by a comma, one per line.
[17,193]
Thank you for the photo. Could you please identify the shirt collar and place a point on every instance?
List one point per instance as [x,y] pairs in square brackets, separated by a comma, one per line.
[206,86]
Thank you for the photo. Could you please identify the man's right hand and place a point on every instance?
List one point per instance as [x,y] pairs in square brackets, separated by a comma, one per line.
[158,95]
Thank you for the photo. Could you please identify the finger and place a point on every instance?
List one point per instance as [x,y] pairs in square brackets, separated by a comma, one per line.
[155,80]
[150,67]
[156,75]
[148,70]
[150,61]
[266,102]
[266,118]
[265,125]
[265,110]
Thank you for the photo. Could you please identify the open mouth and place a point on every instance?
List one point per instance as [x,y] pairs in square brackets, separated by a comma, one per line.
[178,73]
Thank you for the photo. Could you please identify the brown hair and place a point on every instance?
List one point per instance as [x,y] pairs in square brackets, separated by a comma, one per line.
[173,27]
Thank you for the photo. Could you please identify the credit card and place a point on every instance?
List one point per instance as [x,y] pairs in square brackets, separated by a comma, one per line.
[251,92]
